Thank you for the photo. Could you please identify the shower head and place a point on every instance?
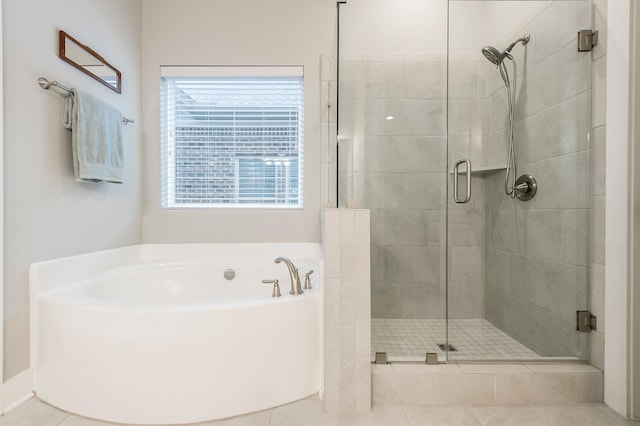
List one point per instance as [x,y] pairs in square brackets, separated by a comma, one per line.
[493,55]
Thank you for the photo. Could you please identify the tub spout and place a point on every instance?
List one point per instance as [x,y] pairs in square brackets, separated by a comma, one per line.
[296,288]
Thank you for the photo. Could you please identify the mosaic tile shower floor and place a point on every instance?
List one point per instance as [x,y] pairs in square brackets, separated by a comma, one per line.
[472,339]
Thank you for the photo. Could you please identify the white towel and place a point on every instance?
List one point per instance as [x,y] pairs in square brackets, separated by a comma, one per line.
[96,137]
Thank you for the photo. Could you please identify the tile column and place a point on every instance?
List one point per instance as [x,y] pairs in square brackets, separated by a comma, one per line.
[347,310]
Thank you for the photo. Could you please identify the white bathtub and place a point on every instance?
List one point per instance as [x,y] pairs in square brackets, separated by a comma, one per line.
[154,334]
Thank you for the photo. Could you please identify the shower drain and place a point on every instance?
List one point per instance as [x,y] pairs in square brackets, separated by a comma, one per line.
[444,347]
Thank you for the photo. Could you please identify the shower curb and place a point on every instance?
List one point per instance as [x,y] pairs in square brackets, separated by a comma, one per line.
[505,384]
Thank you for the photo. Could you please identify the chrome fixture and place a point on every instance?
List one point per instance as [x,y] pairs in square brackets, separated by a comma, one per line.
[229,274]
[293,272]
[587,40]
[447,347]
[455,182]
[497,58]
[307,280]
[381,358]
[276,287]
[431,358]
[526,187]
[494,55]
[586,321]
[46,85]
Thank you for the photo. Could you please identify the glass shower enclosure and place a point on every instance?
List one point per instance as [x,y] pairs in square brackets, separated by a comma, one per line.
[443,106]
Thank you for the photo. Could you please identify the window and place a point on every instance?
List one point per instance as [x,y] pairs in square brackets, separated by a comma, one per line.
[232,137]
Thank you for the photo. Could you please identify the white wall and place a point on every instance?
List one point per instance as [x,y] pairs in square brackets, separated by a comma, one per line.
[616,222]
[2,389]
[48,214]
[234,32]
[382,26]
[634,228]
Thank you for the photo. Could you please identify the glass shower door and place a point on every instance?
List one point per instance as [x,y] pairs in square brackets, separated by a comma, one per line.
[496,277]
[392,160]
[518,269]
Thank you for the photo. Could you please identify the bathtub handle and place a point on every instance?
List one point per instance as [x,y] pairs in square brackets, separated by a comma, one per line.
[276,287]
[307,280]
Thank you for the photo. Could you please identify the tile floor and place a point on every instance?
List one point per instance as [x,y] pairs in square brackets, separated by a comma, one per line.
[473,339]
[308,412]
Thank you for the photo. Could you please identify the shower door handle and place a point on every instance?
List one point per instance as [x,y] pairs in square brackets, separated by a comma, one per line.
[455,181]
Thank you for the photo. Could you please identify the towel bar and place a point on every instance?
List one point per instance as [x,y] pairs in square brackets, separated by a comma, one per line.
[46,84]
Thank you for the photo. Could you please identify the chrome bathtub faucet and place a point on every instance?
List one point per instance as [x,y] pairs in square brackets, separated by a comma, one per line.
[296,288]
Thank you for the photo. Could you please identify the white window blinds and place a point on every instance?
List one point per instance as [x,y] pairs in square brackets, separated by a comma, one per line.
[232,137]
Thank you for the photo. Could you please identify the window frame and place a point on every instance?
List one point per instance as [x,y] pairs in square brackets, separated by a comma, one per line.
[168,138]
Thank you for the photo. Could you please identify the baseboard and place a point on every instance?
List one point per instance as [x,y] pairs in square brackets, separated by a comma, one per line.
[17,390]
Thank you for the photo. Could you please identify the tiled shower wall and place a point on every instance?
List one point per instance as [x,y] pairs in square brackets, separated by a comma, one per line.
[537,257]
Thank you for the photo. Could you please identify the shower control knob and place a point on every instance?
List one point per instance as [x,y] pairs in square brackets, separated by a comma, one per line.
[526,187]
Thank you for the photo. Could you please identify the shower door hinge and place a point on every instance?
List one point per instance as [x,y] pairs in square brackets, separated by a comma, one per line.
[587,40]
[586,321]
[431,358]
[381,358]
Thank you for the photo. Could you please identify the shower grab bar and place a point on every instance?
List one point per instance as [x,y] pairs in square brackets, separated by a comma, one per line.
[46,85]
[455,181]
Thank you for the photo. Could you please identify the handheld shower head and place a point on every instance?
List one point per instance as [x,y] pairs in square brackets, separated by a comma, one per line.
[496,57]
[493,55]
